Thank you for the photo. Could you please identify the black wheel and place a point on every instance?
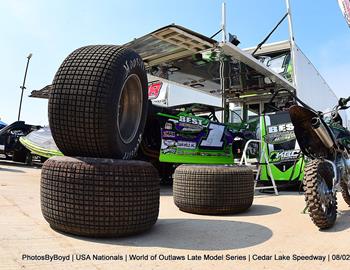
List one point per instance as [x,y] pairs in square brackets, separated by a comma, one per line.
[98,104]
[99,197]
[29,159]
[20,155]
[321,201]
[346,191]
[213,189]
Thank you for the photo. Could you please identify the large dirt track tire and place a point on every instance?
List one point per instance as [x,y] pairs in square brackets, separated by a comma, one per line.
[99,197]
[98,104]
[322,209]
[345,192]
[213,189]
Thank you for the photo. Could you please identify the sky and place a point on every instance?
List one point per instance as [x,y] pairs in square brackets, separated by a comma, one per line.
[50,30]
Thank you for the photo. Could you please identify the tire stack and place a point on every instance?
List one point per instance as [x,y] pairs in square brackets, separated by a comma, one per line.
[213,189]
[97,111]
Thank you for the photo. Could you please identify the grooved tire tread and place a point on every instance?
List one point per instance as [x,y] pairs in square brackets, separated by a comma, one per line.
[345,193]
[99,197]
[213,189]
[312,198]
[83,103]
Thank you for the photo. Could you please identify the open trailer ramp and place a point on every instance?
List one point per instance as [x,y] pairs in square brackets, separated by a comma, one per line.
[189,58]
[169,43]
[183,56]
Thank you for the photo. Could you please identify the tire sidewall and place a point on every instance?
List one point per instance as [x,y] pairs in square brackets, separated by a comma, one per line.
[129,64]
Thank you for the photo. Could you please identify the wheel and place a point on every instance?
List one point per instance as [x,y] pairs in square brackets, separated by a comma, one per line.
[98,104]
[321,201]
[99,197]
[213,189]
[20,155]
[29,159]
[346,190]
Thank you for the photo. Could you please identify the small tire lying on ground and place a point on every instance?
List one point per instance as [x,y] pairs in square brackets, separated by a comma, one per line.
[99,197]
[98,103]
[213,189]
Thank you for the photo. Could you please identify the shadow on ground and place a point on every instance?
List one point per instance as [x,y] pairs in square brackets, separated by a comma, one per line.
[341,224]
[166,190]
[254,210]
[10,163]
[260,210]
[2,169]
[195,234]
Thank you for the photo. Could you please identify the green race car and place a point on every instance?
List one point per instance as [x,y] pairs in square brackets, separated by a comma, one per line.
[192,133]
[188,133]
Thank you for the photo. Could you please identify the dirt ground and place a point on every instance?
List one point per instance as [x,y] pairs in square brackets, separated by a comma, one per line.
[262,238]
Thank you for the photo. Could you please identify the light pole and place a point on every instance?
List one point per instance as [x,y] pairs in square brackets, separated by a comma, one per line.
[292,41]
[23,86]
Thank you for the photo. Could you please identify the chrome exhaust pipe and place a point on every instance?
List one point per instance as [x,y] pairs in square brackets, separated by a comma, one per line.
[322,132]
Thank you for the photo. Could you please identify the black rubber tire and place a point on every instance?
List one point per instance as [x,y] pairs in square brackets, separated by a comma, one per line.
[320,218]
[345,192]
[99,197]
[213,189]
[87,100]
[20,155]
[29,159]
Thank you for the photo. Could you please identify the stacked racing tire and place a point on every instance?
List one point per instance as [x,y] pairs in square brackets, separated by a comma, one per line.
[97,113]
[99,197]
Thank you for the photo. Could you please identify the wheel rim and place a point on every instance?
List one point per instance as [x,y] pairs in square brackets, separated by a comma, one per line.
[129,108]
[348,184]
[326,197]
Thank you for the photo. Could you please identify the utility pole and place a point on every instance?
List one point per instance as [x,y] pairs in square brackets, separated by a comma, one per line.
[223,22]
[23,86]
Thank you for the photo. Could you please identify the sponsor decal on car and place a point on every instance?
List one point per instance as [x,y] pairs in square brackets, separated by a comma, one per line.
[168,126]
[169,142]
[187,127]
[168,134]
[280,128]
[154,90]
[191,120]
[277,138]
[280,133]
[169,151]
[284,155]
[186,145]
[215,136]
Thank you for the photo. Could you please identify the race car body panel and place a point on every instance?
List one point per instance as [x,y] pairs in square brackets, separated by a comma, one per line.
[191,139]
[194,135]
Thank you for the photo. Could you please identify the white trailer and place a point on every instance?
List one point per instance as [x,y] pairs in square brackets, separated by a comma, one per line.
[165,93]
[307,82]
